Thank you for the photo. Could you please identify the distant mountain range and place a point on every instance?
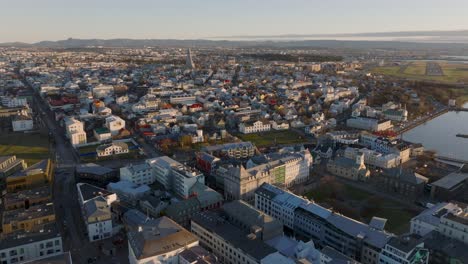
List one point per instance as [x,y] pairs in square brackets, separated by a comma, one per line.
[391,40]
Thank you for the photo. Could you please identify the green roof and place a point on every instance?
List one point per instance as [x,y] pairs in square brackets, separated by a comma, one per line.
[101,130]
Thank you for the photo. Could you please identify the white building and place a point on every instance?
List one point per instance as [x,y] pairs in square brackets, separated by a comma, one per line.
[75,131]
[96,210]
[374,158]
[28,247]
[325,227]
[405,249]
[158,241]
[114,148]
[255,127]
[138,174]
[22,122]
[370,124]
[115,124]
[9,101]
[102,134]
[128,191]
[174,175]
[448,219]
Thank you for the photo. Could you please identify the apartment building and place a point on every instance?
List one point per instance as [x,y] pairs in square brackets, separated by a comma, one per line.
[10,165]
[95,205]
[369,124]
[38,174]
[29,219]
[115,124]
[387,146]
[325,227]
[139,174]
[75,131]
[30,247]
[238,150]
[175,176]
[227,241]
[158,241]
[405,249]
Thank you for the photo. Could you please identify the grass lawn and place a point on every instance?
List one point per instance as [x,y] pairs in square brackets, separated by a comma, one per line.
[398,219]
[30,147]
[352,201]
[270,138]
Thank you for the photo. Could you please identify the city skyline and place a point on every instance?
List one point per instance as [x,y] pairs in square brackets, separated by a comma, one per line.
[142,19]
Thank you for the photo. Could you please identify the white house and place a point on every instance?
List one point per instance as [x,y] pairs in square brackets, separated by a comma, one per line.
[115,148]
[102,134]
[254,127]
[115,124]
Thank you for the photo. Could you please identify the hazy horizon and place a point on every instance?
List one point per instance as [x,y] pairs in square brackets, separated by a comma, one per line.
[32,21]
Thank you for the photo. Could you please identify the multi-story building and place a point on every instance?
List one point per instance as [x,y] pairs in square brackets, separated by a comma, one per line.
[370,124]
[30,247]
[102,134]
[10,165]
[138,174]
[325,227]
[374,158]
[75,131]
[278,203]
[158,241]
[398,181]
[408,249]
[174,175]
[454,224]
[429,219]
[38,174]
[283,169]
[10,101]
[96,210]
[254,127]
[115,124]
[22,122]
[387,146]
[240,150]
[353,169]
[227,241]
[27,198]
[249,218]
[29,219]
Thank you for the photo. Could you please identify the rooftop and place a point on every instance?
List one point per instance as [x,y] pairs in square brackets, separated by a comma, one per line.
[22,237]
[213,222]
[32,212]
[451,180]
[159,236]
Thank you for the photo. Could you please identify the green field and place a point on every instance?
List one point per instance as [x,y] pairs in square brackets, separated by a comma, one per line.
[453,72]
[270,138]
[30,147]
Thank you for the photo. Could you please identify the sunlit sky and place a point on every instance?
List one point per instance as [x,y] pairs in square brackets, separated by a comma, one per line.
[36,20]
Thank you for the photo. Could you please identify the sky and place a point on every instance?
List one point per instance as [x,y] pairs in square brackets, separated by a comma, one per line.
[36,20]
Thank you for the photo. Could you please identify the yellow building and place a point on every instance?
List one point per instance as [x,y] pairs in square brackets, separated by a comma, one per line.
[38,174]
[28,219]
